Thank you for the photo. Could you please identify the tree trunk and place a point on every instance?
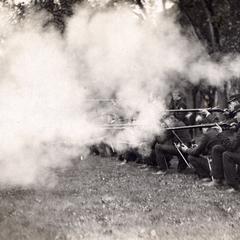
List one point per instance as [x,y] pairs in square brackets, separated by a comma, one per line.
[214,36]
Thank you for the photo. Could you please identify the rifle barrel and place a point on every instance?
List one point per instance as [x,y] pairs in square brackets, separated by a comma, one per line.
[124,126]
[194,110]
[207,125]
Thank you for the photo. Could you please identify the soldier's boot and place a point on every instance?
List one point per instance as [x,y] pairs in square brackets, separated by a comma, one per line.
[232,190]
[214,183]
[181,165]
[205,180]
[160,172]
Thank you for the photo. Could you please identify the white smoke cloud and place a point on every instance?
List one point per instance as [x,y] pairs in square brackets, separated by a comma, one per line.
[47,78]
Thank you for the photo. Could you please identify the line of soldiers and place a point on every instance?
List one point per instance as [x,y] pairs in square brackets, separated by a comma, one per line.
[223,147]
[216,157]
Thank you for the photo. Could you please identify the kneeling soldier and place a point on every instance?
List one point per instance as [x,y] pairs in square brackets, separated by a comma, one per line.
[199,155]
[165,147]
[231,157]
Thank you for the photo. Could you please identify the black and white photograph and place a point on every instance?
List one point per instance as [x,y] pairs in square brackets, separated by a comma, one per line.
[120,119]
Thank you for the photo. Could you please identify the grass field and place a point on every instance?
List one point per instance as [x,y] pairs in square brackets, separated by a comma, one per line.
[99,199]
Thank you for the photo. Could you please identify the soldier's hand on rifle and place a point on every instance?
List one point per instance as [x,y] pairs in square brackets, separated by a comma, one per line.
[189,115]
[233,126]
[219,129]
[178,145]
[194,145]
[226,111]
[183,147]
[205,112]
[198,118]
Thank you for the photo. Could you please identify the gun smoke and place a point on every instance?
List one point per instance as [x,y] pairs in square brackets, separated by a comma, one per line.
[47,80]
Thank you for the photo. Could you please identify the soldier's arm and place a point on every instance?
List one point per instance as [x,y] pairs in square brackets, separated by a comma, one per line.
[231,144]
[236,142]
[199,148]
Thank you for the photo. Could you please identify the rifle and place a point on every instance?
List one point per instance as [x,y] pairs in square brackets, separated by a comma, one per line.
[194,110]
[184,159]
[207,125]
[187,110]
[126,125]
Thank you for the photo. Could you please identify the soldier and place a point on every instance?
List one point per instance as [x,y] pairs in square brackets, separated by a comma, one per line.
[130,155]
[231,157]
[228,113]
[218,149]
[226,138]
[199,155]
[165,148]
[233,101]
[178,102]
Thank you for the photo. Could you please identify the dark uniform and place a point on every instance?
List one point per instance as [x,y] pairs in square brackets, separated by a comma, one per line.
[235,100]
[231,157]
[165,149]
[198,155]
[131,154]
[217,151]
[179,103]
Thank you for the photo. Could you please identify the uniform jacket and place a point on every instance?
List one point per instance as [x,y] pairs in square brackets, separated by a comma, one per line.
[179,104]
[170,137]
[231,139]
[208,140]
